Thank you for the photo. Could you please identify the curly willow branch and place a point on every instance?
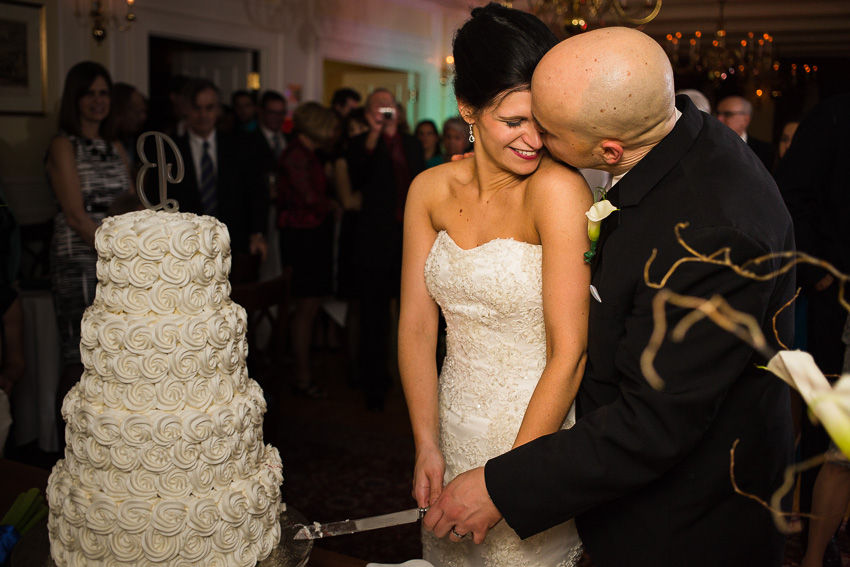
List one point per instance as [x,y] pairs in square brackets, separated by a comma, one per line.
[721,257]
[790,479]
[742,325]
[716,309]
[776,316]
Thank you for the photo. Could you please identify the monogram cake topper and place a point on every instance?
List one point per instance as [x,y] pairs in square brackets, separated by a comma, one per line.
[165,177]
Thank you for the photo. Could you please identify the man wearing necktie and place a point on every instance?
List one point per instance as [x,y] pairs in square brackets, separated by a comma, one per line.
[219,180]
[268,142]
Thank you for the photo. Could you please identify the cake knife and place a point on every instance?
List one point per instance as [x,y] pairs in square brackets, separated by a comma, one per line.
[317,530]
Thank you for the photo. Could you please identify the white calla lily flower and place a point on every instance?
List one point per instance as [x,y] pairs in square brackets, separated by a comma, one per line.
[595,215]
[600,210]
[830,404]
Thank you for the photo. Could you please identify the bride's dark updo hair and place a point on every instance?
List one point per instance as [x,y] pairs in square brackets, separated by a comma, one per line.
[496,52]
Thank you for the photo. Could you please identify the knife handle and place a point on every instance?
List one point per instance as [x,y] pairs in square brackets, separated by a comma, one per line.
[422,512]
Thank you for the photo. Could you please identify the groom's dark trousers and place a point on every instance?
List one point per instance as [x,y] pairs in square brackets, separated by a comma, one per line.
[646,472]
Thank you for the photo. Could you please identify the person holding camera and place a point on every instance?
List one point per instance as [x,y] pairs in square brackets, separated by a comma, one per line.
[381,163]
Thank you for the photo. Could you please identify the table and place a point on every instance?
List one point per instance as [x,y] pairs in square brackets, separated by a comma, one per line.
[18,477]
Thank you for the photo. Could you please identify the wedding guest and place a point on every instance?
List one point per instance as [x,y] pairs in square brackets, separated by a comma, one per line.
[168,114]
[737,112]
[87,169]
[244,105]
[306,220]
[348,270]
[382,162]
[219,180]
[645,471]
[830,497]
[131,113]
[813,182]
[786,136]
[345,100]
[699,99]
[269,141]
[426,133]
[455,137]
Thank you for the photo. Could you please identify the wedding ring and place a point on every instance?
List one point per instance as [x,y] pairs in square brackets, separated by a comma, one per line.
[454,531]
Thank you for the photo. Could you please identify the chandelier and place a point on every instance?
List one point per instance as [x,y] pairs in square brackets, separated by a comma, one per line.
[101,14]
[748,58]
[569,17]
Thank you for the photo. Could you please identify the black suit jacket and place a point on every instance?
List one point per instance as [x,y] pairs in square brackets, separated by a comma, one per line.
[646,472]
[763,150]
[816,187]
[243,198]
[261,152]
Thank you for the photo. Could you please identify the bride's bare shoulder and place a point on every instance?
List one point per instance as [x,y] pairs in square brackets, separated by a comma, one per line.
[555,176]
[438,181]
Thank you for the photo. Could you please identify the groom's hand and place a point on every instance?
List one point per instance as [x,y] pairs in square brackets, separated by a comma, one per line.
[464,506]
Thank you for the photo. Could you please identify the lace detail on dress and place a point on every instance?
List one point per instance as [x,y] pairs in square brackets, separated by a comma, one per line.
[492,300]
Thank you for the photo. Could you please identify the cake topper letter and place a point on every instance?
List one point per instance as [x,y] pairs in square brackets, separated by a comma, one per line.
[165,177]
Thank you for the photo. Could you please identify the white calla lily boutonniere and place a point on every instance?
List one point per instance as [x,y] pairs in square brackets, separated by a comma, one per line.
[597,213]
[830,404]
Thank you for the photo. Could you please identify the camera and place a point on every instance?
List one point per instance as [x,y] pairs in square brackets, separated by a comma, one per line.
[387,111]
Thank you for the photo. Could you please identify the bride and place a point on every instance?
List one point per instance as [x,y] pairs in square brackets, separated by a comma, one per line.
[497,243]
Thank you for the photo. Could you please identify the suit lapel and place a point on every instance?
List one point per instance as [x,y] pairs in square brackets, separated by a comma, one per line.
[649,171]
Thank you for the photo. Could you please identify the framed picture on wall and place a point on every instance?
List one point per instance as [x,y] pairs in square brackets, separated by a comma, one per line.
[23,58]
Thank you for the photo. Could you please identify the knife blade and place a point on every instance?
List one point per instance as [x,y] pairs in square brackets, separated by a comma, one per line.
[317,530]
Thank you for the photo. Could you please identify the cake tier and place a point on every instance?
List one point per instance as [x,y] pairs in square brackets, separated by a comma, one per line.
[162,263]
[232,526]
[158,453]
[144,362]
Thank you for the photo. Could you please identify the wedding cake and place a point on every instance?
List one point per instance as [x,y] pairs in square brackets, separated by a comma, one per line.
[165,462]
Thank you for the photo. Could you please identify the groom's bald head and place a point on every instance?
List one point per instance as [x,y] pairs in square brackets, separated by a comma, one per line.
[608,84]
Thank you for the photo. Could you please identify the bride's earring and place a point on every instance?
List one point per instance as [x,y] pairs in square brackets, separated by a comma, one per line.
[471,136]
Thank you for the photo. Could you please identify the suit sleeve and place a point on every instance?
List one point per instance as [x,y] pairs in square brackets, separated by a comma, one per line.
[625,445]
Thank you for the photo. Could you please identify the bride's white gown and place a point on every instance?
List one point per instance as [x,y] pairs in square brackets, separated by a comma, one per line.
[491,297]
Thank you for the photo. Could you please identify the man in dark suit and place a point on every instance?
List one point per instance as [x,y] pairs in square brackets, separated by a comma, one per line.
[646,471]
[736,112]
[219,179]
[266,143]
[269,138]
[813,179]
[381,163]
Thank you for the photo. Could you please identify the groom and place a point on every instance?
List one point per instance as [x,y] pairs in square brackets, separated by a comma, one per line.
[646,472]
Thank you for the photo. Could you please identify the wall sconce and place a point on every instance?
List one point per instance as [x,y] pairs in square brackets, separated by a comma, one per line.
[102,16]
[253,82]
[447,70]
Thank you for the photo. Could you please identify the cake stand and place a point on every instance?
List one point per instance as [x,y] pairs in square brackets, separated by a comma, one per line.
[33,550]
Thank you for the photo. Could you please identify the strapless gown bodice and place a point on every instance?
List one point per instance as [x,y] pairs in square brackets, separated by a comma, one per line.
[492,299]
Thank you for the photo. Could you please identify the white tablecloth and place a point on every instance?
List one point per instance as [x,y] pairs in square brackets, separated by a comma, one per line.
[34,399]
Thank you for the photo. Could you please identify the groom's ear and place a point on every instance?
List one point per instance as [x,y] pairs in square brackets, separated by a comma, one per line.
[612,152]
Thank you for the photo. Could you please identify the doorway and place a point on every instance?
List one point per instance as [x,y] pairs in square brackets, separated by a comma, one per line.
[230,68]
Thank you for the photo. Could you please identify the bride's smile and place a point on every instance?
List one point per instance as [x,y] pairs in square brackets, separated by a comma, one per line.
[506,134]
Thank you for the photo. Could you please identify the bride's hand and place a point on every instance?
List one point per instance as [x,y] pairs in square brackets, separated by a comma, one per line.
[428,476]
